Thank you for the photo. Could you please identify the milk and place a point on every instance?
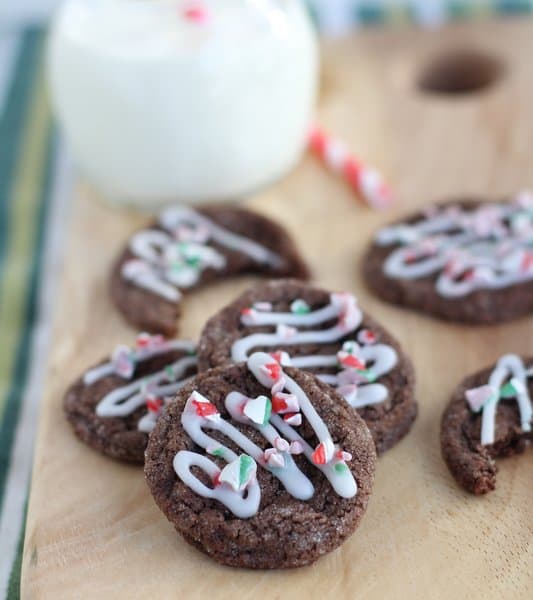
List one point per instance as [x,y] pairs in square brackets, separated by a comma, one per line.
[165,100]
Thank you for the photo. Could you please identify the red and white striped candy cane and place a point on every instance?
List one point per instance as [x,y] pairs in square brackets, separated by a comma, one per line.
[366,181]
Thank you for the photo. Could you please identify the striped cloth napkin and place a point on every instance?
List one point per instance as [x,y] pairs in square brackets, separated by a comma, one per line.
[338,16]
[34,176]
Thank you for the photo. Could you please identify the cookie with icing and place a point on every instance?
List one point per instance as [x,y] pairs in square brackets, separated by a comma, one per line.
[490,416]
[261,466]
[327,334]
[467,261]
[114,405]
[187,248]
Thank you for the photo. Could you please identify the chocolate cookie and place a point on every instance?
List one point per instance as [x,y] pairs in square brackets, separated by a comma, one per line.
[114,405]
[467,261]
[489,417]
[327,334]
[290,467]
[187,248]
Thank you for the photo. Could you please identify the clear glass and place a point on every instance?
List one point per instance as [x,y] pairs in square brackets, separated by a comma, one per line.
[164,100]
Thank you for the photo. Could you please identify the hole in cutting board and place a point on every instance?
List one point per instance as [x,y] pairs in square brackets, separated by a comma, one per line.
[460,72]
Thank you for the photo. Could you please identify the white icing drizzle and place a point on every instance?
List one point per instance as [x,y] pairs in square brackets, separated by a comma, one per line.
[344,485]
[241,505]
[173,217]
[243,499]
[173,259]
[352,385]
[143,275]
[490,247]
[486,398]
[294,481]
[384,359]
[158,387]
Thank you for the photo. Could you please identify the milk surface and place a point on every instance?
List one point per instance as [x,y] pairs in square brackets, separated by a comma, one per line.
[165,100]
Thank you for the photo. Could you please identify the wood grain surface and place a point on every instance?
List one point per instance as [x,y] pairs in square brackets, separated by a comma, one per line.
[93,530]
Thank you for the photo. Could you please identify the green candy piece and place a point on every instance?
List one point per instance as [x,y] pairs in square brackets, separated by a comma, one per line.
[370,375]
[300,307]
[268,412]
[171,376]
[340,468]
[507,391]
[349,347]
[247,463]
[193,261]
[218,452]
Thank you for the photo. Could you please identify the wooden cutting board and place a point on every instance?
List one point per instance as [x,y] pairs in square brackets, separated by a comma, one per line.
[93,530]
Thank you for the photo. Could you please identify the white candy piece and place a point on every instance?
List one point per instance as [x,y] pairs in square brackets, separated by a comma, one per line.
[231,474]
[257,409]
[243,505]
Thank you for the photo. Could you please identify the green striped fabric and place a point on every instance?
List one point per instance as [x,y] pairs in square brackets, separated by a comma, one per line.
[340,15]
[26,157]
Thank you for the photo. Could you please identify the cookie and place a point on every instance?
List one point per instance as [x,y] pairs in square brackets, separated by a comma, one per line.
[468,261]
[327,334]
[261,466]
[114,405]
[187,248]
[489,417]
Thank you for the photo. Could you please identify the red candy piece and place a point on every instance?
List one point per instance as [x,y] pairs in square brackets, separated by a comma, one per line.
[319,455]
[293,419]
[278,404]
[246,311]
[205,409]
[142,341]
[352,361]
[367,337]
[342,455]
[154,404]
[216,479]
[527,262]
[274,370]
[145,340]
[276,355]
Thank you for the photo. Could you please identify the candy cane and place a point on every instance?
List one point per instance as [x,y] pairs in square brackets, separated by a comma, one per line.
[366,180]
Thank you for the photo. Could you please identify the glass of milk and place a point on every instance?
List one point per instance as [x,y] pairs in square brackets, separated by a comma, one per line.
[176,100]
